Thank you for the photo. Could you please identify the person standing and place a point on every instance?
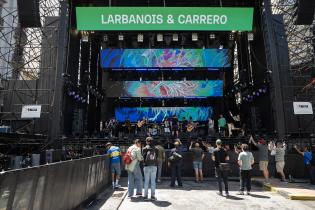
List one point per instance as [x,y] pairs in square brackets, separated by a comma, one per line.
[198,156]
[133,169]
[279,152]
[175,126]
[211,127]
[245,161]
[308,159]
[150,156]
[160,160]
[175,162]
[222,125]
[114,155]
[220,156]
[263,156]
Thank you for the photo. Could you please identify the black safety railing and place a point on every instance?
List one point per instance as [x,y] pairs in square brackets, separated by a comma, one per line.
[63,185]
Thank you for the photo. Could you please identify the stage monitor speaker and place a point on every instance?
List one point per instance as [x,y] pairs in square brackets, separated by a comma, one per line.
[28,11]
[305,12]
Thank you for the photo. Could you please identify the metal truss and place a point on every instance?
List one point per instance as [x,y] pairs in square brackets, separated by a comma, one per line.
[25,57]
[299,37]
[20,48]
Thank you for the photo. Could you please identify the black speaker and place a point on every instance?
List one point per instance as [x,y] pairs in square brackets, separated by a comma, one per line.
[28,11]
[304,13]
[313,72]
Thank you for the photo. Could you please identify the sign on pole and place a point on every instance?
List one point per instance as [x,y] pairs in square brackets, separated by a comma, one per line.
[31,111]
[302,108]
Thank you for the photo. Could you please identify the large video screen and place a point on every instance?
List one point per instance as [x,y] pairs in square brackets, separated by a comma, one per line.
[165,89]
[158,114]
[165,58]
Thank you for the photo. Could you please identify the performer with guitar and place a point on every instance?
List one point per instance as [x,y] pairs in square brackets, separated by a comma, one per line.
[175,126]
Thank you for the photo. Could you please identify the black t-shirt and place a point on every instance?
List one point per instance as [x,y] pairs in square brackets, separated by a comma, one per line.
[220,155]
[174,122]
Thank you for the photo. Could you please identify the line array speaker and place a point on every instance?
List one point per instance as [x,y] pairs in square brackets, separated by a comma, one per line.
[28,11]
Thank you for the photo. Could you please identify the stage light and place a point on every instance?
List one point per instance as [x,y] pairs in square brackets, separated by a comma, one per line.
[231,36]
[194,37]
[221,47]
[212,36]
[121,37]
[105,38]
[159,37]
[140,38]
[85,36]
[250,37]
[140,79]
[175,37]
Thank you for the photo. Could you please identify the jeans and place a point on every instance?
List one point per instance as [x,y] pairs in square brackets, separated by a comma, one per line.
[311,172]
[149,176]
[222,175]
[176,173]
[135,181]
[246,178]
[159,169]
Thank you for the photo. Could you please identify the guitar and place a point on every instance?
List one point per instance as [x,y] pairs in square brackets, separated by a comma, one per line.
[141,123]
[191,127]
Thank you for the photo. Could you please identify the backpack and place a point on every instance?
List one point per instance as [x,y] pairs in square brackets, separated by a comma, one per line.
[127,158]
[151,156]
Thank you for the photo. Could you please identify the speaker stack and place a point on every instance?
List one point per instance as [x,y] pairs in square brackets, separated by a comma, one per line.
[28,11]
[304,13]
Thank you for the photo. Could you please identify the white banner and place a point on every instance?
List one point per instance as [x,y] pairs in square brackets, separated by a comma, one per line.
[31,111]
[302,108]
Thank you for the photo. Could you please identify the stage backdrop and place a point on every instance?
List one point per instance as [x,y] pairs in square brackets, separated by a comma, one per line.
[158,114]
[165,89]
[164,58]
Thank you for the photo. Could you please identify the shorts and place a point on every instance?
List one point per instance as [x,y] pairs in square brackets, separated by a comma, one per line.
[197,165]
[280,166]
[115,168]
[263,165]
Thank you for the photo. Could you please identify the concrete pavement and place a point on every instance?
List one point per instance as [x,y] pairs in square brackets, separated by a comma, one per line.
[197,196]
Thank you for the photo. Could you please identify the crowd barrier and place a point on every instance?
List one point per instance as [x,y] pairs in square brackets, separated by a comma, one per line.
[57,186]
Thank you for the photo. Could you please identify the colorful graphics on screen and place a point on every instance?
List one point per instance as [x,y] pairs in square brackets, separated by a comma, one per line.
[158,114]
[165,58]
[166,89]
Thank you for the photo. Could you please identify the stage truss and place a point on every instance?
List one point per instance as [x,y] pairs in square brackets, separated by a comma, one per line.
[21,54]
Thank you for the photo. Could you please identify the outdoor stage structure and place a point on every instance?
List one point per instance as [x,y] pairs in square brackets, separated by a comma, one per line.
[82,77]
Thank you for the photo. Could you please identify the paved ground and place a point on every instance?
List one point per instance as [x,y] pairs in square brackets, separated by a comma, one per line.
[196,196]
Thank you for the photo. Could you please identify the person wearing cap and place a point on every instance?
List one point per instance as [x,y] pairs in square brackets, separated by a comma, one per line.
[114,156]
[175,163]
[262,156]
[219,156]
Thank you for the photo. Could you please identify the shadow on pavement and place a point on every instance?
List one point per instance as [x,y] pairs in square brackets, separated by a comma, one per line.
[232,197]
[259,196]
[162,203]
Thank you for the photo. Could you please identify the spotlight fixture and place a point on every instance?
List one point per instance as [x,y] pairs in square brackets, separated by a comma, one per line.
[175,37]
[231,36]
[212,36]
[85,36]
[140,38]
[250,37]
[121,37]
[194,37]
[221,47]
[159,37]
[105,38]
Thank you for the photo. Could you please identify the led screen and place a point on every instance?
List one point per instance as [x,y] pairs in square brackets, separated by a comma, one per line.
[165,89]
[158,114]
[165,58]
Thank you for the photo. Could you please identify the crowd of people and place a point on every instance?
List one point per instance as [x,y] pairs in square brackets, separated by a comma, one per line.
[152,156]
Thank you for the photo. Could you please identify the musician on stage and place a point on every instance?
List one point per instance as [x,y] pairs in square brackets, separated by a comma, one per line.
[175,126]
[184,124]
[211,130]
[167,126]
[128,126]
[222,125]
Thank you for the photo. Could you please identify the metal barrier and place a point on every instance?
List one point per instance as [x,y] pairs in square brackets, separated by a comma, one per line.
[64,185]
